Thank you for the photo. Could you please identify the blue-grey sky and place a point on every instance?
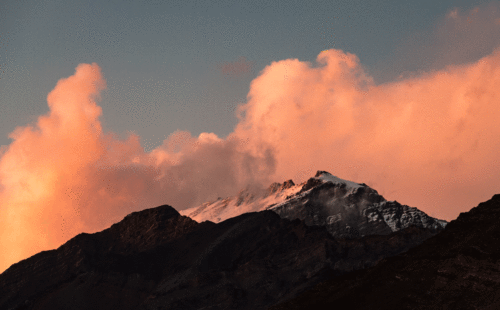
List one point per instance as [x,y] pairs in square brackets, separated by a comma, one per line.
[164,60]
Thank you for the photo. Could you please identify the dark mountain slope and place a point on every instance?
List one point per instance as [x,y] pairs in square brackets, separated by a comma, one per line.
[158,259]
[77,268]
[457,269]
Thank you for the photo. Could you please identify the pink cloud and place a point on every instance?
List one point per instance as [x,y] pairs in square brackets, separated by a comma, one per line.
[63,175]
[429,141]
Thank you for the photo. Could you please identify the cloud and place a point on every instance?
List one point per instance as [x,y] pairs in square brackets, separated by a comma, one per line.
[430,141]
[236,68]
[63,175]
[452,14]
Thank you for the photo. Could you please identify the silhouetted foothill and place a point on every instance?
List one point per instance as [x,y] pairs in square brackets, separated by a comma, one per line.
[158,259]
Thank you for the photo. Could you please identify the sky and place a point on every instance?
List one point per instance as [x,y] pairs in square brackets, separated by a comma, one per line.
[109,107]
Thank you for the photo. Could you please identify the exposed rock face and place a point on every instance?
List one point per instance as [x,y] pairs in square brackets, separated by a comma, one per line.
[457,269]
[347,209]
[278,187]
[158,259]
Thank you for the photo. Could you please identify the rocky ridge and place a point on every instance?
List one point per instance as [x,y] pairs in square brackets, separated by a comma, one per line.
[158,259]
[347,209]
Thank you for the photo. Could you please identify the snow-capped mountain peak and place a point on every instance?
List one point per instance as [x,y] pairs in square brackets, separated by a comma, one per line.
[346,208]
[328,177]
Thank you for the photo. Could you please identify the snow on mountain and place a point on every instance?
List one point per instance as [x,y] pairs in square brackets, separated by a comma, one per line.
[346,208]
[327,177]
[246,201]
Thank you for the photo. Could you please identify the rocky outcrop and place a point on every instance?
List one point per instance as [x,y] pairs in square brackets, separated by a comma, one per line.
[278,187]
[350,210]
[158,259]
[457,269]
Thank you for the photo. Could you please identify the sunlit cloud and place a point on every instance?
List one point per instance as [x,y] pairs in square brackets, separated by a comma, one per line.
[63,175]
[429,141]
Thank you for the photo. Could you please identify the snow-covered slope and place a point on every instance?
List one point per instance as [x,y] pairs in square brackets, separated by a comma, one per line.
[246,201]
[346,208]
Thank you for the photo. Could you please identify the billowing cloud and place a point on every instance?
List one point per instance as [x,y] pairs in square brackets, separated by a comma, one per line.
[63,175]
[430,141]
[236,68]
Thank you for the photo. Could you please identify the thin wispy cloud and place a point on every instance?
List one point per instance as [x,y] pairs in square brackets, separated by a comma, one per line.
[236,68]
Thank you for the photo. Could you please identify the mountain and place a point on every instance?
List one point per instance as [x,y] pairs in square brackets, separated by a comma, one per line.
[158,259]
[347,209]
[458,268]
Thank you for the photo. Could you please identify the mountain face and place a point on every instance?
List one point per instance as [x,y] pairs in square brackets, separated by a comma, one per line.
[345,208]
[158,259]
[457,269]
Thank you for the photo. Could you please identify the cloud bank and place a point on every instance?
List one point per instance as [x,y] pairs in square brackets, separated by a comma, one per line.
[63,175]
[429,141]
